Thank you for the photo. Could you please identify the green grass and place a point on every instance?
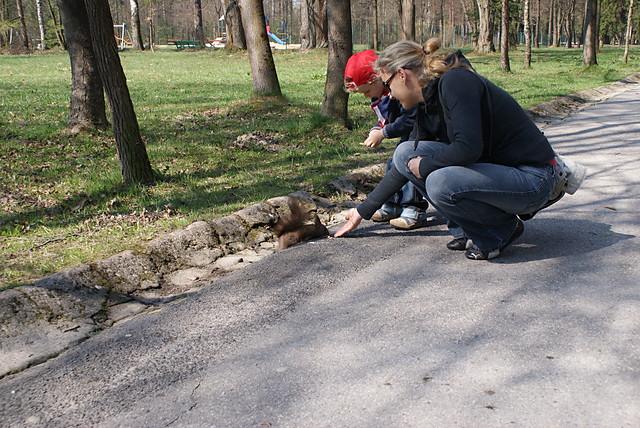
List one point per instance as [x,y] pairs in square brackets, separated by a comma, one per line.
[66,191]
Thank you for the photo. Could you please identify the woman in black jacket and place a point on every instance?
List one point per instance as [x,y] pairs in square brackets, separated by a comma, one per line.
[487,163]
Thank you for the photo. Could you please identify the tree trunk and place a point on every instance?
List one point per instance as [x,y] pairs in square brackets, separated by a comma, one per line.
[87,109]
[236,38]
[590,35]
[485,30]
[136,32]
[307,25]
[552,11]
[134,162]
[375,45]
[527,34]
[263,69]
[43,34]
[557,24]
[321,25]
[23,25]
[571,17]
[536,34]
[197,22]
[335,99]
[628,33]
[504,38]
[59,32]
[408,19]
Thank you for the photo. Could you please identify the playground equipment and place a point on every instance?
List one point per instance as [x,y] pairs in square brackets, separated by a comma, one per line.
[124,39]
[275,38]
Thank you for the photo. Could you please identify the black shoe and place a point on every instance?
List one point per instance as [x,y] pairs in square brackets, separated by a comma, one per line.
[474,253]
[525,217]
[460,244]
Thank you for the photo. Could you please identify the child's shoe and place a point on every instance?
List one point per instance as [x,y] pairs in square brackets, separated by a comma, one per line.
[387,212]
[411,218]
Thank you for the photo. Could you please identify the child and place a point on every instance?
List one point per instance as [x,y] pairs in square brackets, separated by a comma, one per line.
[407,208]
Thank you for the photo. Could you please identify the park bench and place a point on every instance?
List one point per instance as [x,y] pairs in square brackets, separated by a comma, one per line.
[181,44]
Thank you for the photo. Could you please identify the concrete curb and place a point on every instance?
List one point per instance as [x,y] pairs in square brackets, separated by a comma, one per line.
[41,320]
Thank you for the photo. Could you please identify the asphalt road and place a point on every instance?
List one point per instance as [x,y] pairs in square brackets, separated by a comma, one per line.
[389,328]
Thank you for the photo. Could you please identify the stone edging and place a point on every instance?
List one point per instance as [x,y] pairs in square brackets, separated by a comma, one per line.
[40,320]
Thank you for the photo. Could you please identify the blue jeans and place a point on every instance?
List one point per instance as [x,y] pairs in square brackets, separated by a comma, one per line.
[481,200]
[409,198]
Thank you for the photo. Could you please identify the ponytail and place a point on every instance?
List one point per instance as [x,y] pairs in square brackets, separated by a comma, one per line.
[425,63]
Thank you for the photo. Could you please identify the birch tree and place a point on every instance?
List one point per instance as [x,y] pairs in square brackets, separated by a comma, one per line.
[43,34]
[527,33]
[628,33]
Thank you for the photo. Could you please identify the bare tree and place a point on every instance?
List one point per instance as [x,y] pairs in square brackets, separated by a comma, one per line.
[134,162]
[86,106]
[375,45]
[590,33]
[136,32]
[23,25]
[59,32]
[321,24]
[307,25]
[485,27]
[536,33]
[504,38]
[236,38]
[527,34]
[197,22]
[408,19]
[263,69]
[570,23]
[335,99]
[628,33]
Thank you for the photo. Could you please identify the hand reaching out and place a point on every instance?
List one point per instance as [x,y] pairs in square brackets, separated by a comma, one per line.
[374,139]
[353,220]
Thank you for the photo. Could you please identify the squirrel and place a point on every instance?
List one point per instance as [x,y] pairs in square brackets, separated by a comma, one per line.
[295,227]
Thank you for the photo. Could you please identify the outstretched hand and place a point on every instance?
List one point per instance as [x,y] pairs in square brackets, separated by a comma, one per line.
[374,139]
[353,220]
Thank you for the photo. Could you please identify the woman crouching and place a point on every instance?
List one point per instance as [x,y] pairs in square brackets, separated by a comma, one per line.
[483,160]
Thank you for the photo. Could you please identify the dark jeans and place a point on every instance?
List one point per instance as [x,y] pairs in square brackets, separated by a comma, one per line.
[480,200]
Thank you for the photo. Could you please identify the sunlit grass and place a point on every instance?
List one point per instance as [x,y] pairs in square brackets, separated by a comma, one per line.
[66,191]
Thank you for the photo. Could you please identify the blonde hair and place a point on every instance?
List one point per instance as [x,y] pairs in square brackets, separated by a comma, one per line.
[422,60]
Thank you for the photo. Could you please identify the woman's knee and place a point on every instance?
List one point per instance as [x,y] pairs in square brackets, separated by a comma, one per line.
[403,153]
[437,185]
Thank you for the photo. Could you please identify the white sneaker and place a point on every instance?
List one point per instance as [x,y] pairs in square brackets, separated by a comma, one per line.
[575,174]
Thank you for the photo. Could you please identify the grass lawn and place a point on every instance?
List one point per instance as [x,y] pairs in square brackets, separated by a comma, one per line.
[61,198]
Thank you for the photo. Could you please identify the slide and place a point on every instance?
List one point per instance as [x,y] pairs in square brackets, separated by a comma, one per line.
[275,38]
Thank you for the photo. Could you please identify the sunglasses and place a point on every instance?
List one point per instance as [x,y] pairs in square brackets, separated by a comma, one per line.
[386,84]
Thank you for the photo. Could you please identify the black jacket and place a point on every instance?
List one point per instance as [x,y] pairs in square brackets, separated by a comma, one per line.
[479,122]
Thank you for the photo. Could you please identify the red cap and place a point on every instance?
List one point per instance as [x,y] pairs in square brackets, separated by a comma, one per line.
[360,68]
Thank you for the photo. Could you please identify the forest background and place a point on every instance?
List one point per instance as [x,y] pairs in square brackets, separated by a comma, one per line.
[457,22]
[62,196]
